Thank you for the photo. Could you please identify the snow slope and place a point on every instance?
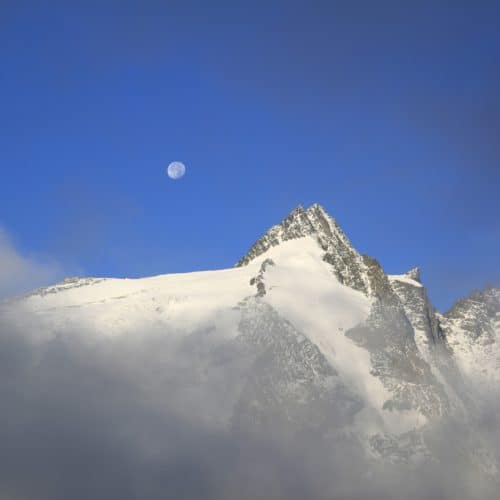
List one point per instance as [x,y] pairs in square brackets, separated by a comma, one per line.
[184,302]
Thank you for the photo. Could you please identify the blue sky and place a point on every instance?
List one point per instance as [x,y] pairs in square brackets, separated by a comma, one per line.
[388,115]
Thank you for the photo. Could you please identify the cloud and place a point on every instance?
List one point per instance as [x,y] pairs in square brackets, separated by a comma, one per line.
[89,418]
[139,416]
[20,273]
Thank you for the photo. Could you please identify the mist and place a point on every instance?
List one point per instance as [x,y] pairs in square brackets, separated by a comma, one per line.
[149,415]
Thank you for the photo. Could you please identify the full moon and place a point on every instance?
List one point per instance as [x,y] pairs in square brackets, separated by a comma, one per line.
[176,170]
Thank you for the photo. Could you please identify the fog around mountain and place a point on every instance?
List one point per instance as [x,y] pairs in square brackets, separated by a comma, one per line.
[303,372]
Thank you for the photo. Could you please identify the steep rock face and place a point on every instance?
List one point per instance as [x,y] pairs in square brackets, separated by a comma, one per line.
[388,336]
[347,264]
[429,335]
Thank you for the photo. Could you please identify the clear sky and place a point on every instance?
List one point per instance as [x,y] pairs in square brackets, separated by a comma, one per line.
[388,115]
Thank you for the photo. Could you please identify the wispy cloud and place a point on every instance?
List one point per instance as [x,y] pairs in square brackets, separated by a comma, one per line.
[21,272]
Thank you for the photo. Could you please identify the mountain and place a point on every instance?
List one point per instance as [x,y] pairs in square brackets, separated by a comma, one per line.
[472,329]
[304,334]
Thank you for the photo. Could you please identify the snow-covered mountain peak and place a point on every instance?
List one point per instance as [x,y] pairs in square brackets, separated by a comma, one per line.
[314,222]
[300,222]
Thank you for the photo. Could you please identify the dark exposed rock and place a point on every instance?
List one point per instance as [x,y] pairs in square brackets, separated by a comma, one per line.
[389,338]
[292,386]
[258,280]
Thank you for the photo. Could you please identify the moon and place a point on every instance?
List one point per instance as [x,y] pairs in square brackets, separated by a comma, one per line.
[176,170]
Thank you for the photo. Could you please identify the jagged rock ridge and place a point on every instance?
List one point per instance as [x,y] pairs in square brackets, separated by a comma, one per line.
[347,264]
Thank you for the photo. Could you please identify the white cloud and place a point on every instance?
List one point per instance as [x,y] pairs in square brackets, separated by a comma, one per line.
[20,273]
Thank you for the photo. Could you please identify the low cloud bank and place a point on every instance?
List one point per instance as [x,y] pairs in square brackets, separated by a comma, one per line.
[137,417]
